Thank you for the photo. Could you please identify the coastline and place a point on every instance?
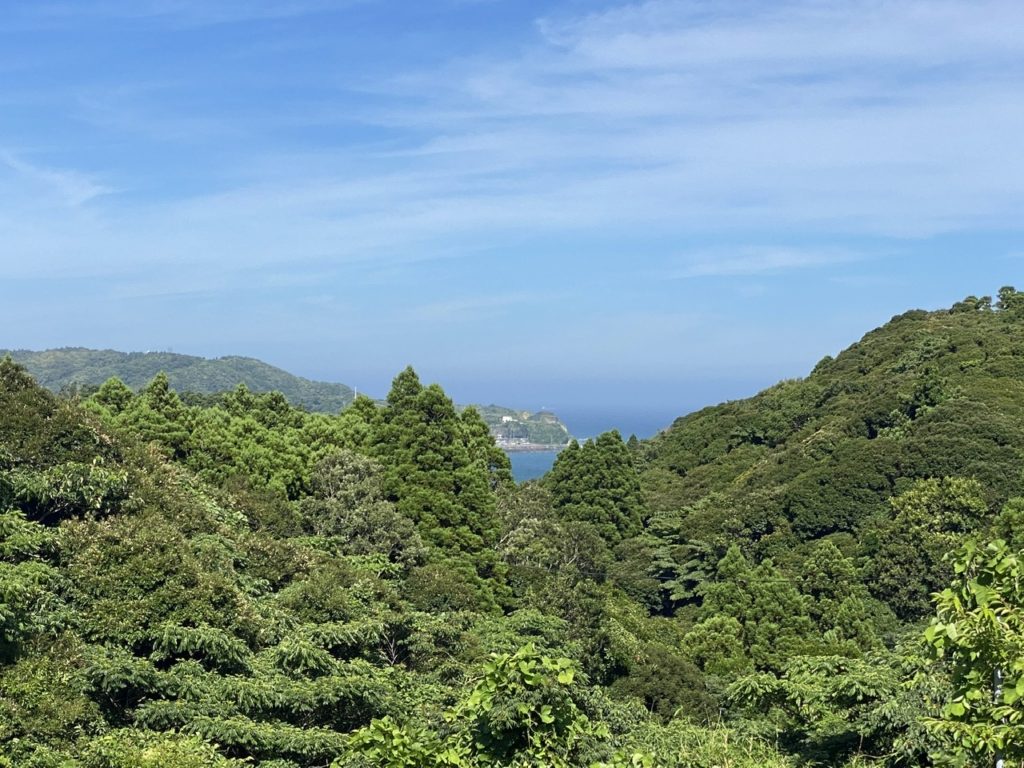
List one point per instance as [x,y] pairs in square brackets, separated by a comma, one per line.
[528,447]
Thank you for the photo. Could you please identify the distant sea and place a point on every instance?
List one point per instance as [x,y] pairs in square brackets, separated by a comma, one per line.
[586,423]
[529,465]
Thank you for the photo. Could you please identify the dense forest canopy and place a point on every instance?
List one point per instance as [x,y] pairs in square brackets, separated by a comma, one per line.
[76,371]
[827,573]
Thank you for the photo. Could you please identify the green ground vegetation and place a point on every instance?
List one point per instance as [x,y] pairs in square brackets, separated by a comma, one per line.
[826,574]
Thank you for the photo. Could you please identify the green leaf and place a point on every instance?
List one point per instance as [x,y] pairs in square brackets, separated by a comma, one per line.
[955,709]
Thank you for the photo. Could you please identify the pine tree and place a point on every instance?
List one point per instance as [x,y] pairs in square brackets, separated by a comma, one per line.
[598,484]
[437,472]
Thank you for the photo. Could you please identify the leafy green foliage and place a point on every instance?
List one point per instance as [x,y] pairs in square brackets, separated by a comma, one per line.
[347,503]
[387,744]
[979,630]
[231,580]
[29,603]
[830,707]
[521,712]
[130,748]
[772,614]
[683,745]
[909,549]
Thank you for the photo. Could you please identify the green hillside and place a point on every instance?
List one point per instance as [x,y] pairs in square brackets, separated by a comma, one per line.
[829,573]
[59,368]
[930,394]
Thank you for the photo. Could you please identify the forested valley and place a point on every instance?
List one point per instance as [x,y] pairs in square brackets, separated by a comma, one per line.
[828,573]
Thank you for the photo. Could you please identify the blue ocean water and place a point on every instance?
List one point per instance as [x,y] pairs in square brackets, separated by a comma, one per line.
[587,423]
[528,465]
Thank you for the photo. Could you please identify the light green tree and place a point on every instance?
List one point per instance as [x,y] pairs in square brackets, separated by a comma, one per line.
[979,631]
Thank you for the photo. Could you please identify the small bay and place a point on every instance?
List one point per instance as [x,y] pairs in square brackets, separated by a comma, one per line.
[529,465]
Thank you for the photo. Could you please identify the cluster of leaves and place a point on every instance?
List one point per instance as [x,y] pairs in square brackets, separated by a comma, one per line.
[979,629]
[522,711]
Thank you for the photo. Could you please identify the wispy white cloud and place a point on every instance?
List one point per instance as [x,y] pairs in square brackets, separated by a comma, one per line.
[860,117]
[733,119]
[757,261]
[72,187]
[792,36]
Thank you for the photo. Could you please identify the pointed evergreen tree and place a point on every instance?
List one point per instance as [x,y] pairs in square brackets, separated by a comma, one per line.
[767,605]
[359,424]
[404,389]
[114,395]
[598,484]
[157,415]
[485,451]
[436,471]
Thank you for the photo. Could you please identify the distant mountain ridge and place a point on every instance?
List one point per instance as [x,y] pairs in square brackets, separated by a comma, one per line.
[57,369]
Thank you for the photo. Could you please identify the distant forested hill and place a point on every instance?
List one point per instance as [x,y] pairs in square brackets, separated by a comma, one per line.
[59,368]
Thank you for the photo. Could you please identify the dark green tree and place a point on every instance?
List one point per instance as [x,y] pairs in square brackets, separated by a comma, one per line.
[597,483]
[157,415]
[909,550]
[347,502]
[437,470]
[114,395]
[771,611]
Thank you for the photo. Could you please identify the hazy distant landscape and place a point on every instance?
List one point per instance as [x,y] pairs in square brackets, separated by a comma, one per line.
[79,370]
[535,384]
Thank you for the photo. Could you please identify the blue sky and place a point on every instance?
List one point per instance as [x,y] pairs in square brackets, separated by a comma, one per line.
[540,203]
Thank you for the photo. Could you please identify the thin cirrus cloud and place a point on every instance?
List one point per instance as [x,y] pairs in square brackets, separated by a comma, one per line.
[860,117]
[757,261]
[70,187]
[846,117]
[704,139]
